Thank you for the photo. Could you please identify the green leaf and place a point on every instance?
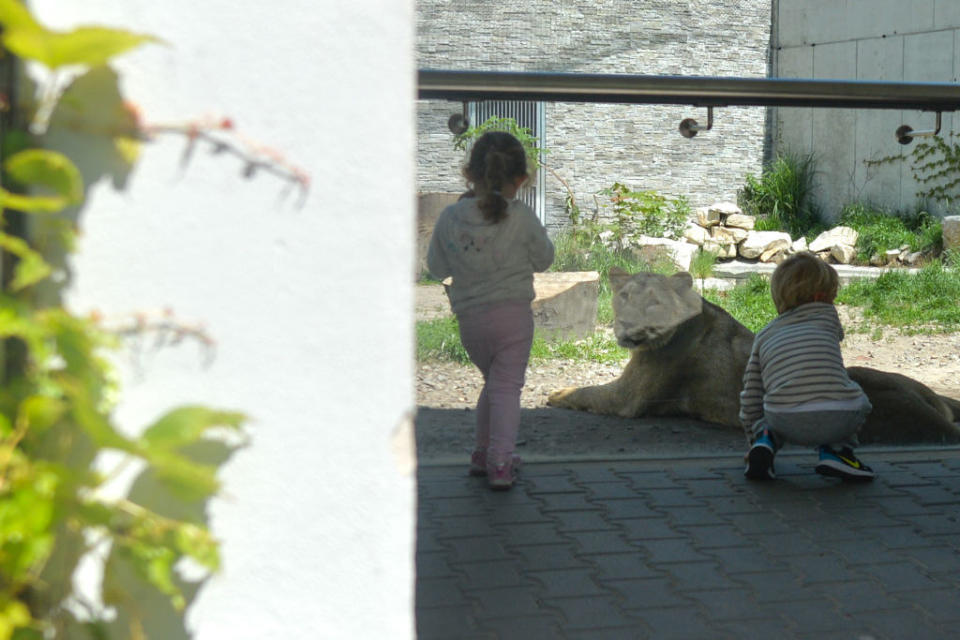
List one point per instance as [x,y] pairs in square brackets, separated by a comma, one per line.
[41,412]
[15,15]
[91,46]
[186,425]
[31,268]
[31,204]
[49,170]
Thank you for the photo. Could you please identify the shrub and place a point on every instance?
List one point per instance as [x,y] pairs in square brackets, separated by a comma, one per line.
[781,197]
[646,212]
[880,231]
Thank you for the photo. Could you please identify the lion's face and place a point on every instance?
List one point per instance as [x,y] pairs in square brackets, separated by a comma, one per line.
[648,307]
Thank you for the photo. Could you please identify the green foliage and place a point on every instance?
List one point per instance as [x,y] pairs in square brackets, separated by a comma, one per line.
[782,197]
[597,347]
[702,264]
[531,144]
[936,166]
[925,301]
[645,212]
[439,339]
[880,231]
[56,404]
[748,302]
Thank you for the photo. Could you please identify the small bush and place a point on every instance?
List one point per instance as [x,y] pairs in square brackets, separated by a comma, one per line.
[880,231]
[646,212]
[782,197]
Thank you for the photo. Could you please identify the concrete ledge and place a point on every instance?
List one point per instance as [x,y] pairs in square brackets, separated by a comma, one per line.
[566,303]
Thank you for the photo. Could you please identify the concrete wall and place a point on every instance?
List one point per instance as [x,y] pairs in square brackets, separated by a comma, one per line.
[592,146]
[310,306]
[885,40]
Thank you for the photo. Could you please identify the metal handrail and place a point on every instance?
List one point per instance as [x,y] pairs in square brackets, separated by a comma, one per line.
[464,86]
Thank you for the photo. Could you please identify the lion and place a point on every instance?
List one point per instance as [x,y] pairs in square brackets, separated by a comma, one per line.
[687,358]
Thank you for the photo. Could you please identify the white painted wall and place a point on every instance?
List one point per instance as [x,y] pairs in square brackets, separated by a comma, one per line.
[881,40]
[311,307]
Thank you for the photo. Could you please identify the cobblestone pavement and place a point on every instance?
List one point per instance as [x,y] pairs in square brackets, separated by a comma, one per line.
[687,548]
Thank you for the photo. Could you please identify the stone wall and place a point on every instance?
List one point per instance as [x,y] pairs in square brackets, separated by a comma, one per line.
[593,145]
[871,40]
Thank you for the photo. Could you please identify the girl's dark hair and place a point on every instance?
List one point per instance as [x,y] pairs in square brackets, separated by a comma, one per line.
[496,160]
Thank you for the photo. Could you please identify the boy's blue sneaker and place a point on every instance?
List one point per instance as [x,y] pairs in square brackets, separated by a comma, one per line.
[760,459]
[842,464]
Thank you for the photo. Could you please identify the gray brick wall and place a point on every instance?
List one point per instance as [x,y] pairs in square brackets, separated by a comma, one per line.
[593,145]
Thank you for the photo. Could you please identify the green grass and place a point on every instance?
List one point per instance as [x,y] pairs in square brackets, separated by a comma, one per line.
[924,302]
[439,339]
[749,302]
[782,197]
[879,231]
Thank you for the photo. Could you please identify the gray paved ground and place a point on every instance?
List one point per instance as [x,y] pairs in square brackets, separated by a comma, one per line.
[689,549]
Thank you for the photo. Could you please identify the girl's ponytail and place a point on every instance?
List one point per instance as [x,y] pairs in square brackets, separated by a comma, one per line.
[496,160]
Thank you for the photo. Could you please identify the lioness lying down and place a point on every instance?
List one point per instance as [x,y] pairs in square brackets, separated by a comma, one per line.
[688,356]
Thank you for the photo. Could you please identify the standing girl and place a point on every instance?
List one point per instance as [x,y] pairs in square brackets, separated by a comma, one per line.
[491,244]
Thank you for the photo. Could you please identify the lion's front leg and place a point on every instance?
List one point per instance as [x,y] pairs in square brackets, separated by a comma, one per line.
[605,399]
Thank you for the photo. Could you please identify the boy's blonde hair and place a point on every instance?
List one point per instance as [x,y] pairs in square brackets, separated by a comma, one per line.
[803,278]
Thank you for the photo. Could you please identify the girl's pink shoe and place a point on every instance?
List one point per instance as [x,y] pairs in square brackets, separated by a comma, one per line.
[478,463]
[501,477]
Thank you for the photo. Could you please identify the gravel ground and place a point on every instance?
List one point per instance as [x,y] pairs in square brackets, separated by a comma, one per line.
[447,392]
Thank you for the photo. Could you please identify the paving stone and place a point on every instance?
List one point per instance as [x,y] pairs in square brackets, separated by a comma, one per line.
[668,498]
[727,604]
[588,474]
[520,513]
[477,549]
[677,550]
[633,508]
[428,539]
[714,536]
[699,575]
[490,574]
[898,537]
[902,576]
[823,566]
[507,601]
[610,490]
[855,553]
[525,627]
[632,632]
[620,566]
[818,615]
[734,505]
[456,507]
[787,544]
[898,624]
[896,508]
[938,523]
[935,560]
[592,542]
[697,516]
[550,556]
[734,561]
[778,587]
[464,527]
[934,495]
[590,612]
[433,564]
[460,487]
[448,622]
[708,487]
[552,484]
[678,624]
[695,471]
[568,502]
[852,597]
[941,605]
[762,629]
[655,593]
[580,521]
[439,592]
[650,480]
[647,529]
[750,523]
[564,583]
[533,533]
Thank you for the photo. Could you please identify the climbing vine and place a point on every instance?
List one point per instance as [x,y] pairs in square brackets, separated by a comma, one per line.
[935,165]
[58,391]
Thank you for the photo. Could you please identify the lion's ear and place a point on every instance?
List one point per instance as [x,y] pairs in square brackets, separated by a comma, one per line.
[681,280]
[618,277]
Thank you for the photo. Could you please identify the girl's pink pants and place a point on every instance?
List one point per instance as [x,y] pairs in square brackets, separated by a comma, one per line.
[498,337]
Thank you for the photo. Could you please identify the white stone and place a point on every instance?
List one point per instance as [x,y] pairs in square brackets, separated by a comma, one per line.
[696,234]
[799,245]
[722,251]
[773,254]
[728,235]
[843,253]
[878,260]
[653,249]
[838,235]
[951,232]
[707,217]
[758,242]
[741,221]
[724,209]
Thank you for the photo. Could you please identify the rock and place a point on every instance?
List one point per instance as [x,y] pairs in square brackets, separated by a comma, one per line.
[773,254]
[722,251]
[843,253]
[912,257]
[951,232]
[565,305]
[759,242]
[741,221]
[652,249]
[728,235]
[696,234]
[799,245]
[707,217]
[725,209]
[892,255]
[838,235]
[877,260]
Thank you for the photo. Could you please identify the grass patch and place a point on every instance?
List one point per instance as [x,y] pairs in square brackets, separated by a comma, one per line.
[439,340]
[879,231]
[923,302]
[748,302]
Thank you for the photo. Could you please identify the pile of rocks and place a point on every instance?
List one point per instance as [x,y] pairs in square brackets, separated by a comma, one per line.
[724,230]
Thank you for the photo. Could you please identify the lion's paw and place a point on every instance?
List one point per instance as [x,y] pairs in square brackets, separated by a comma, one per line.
[559,398]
